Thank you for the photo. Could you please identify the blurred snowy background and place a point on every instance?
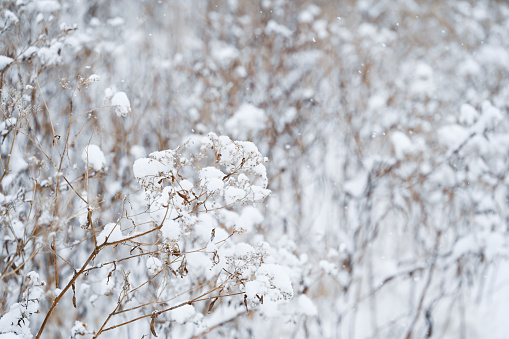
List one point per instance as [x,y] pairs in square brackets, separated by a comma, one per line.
[386,128]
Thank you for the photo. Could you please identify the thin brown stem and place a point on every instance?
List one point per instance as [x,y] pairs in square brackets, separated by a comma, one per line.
[66,288]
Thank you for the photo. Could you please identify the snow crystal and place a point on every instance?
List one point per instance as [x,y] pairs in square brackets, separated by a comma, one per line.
[93,157]
[121,103]
[112,232]
[4,62]
[247,120]
[183,314]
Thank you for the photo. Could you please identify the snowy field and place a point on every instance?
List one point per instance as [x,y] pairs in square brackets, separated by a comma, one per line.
[254,169]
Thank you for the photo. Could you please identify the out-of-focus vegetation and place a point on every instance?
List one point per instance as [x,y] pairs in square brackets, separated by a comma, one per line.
[385,125]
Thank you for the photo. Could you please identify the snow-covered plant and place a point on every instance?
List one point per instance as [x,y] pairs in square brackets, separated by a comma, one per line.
[192,192]
[16,322]
[185,237]
[189,227]
[385,122]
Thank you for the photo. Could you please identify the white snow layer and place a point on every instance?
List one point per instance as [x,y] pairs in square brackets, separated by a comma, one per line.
[246,121]
[93,157]
[121,103]
[224,54]
[212,179]
[4,62]
[111,233]
[154,265]
[183,314]
[306,305]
